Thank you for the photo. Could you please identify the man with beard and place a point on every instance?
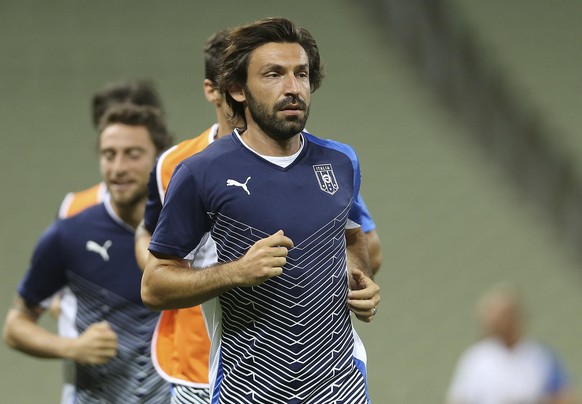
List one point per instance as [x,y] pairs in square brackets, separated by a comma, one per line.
[92,254]
[137,92]
[279,207]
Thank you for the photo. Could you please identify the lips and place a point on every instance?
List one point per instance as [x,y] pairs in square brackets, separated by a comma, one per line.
[120,186]
[292,107]
[292,110]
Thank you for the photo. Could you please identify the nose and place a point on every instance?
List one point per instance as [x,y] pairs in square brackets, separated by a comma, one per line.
[119,164]
[291,85]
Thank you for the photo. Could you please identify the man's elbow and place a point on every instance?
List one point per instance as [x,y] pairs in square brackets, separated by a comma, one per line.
[374,251]
[375,262]
[8,334]
[8,340]
[149,296]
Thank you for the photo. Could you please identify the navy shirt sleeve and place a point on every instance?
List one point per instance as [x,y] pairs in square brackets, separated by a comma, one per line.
[46,274]
[358,213]
[154,202]
[183,220]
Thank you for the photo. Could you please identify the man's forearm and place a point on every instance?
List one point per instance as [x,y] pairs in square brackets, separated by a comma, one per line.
[142,242]
[357,251]
[169,284]
[24,334]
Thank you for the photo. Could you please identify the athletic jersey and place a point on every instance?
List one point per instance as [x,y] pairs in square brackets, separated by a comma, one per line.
[181,345]
[489,372]
[73,203]
[91,253]
[76,202]
[367,223]
[291,338]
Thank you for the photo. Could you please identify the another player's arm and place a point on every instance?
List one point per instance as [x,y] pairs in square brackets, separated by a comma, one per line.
[142,242]
[374,250]
[364,295]
[369,228]
[144,231]
[564,397]
[170,283]
[357,251]
[97,345]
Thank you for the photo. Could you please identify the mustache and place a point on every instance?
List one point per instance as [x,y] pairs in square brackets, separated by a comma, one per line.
[291,100]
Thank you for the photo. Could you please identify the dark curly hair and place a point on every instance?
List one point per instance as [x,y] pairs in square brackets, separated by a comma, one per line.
[138,92]
[243,40]
[139,115]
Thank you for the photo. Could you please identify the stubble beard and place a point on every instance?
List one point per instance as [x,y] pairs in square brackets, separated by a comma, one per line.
[277,128]
[130,201]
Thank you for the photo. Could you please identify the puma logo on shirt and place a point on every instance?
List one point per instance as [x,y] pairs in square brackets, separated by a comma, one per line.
[230,183]
[101,250]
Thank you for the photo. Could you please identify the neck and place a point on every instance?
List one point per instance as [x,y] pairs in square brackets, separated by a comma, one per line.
[510,340]
[130,214]
[224,126]
[264,144]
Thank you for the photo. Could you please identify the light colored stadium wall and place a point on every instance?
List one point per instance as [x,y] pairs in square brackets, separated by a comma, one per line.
[450,222]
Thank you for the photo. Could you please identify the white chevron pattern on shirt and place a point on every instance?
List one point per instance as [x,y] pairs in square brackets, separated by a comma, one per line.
[291,338]
[129,377]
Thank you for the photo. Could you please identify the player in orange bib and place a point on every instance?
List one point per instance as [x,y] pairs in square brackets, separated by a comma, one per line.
[181,344]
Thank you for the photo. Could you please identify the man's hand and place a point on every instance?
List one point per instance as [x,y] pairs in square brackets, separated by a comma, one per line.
[264,260]
[96,346]
[364,296]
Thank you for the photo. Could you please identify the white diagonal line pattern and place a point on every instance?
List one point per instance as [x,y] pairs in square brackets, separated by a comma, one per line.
[129,377]
[289,339]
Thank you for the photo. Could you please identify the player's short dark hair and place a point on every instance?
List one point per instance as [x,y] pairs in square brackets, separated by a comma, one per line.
[245,39]
[139,115]
[138,92]
[213,52]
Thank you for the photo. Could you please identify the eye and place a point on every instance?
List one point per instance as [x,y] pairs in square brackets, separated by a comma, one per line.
[107,155]
[134,154]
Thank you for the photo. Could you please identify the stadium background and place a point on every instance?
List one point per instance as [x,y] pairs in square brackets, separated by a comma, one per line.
[451,219]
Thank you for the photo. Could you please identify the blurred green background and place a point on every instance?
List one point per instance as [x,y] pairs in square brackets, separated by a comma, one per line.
[451,221]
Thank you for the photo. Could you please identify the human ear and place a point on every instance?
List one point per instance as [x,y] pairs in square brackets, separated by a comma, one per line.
[237,93]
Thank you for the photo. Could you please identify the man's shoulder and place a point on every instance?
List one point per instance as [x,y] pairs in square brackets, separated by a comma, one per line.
[484,348]
[191,146]
[330,144]
[170,159]
[71,229]
[95,212]
[76,202]
[226,145]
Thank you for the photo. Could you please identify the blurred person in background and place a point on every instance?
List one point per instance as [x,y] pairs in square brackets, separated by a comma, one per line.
[137,92]
[92,254]
[506,366]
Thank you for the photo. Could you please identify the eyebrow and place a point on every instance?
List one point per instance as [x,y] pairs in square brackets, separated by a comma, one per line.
[123,150]
[275,66]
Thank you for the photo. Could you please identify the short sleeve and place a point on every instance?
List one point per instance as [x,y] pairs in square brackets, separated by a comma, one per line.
[154,203]
[367,222]
[46,273]
[557,377]
[183,220]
